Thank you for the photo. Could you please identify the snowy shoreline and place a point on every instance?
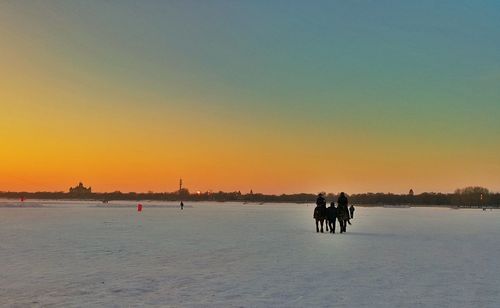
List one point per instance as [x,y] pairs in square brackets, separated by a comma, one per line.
[9,203]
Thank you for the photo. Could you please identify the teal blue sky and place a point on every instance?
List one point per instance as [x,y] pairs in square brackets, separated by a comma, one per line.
[401,79]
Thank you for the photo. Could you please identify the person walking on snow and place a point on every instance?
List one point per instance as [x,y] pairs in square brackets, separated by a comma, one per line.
[342,212]
[332,217]
[351,211]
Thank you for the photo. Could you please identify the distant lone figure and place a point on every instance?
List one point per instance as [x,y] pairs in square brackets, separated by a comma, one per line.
[351,211]
[332,217]
[320,212]
[342,212]
[182,205]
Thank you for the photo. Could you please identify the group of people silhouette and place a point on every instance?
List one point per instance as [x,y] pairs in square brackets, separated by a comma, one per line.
[330,215]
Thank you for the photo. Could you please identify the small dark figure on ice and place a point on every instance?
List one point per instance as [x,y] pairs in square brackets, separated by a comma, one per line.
[351,211]
[320,212]
[343,212]
[182,205]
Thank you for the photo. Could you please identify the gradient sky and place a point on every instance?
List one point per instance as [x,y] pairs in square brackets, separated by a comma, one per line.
[274,96]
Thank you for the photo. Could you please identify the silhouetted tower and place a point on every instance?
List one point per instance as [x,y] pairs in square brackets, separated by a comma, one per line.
[411,192]
[180,185]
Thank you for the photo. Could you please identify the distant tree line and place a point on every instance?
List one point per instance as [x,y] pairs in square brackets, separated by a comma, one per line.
[469,196]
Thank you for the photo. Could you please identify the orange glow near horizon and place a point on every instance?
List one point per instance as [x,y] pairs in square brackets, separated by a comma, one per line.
[128,99]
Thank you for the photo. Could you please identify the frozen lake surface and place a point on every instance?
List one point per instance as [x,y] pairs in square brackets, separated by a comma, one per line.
[232,255]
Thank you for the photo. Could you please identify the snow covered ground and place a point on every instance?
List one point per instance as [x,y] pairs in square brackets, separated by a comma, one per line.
[233,255]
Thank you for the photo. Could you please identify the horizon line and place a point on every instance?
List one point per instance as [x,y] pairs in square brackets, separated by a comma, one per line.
[248,193]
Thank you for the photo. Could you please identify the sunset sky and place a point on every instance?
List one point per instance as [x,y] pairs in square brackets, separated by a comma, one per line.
[274,96]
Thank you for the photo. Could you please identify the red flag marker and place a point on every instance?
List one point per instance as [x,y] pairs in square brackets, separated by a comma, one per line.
[139,207]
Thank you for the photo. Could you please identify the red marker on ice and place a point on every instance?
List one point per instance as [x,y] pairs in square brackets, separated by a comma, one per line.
[139,207]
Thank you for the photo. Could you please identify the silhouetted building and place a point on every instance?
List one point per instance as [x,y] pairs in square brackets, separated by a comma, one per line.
[80,190]
[411,192]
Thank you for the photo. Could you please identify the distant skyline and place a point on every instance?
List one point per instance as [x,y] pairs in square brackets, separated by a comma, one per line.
[274,96]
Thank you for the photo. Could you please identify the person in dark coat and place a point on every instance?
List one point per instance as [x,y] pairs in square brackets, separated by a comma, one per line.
[182,205]
[351,210]
[320,212]
[332,217]
[342,212]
